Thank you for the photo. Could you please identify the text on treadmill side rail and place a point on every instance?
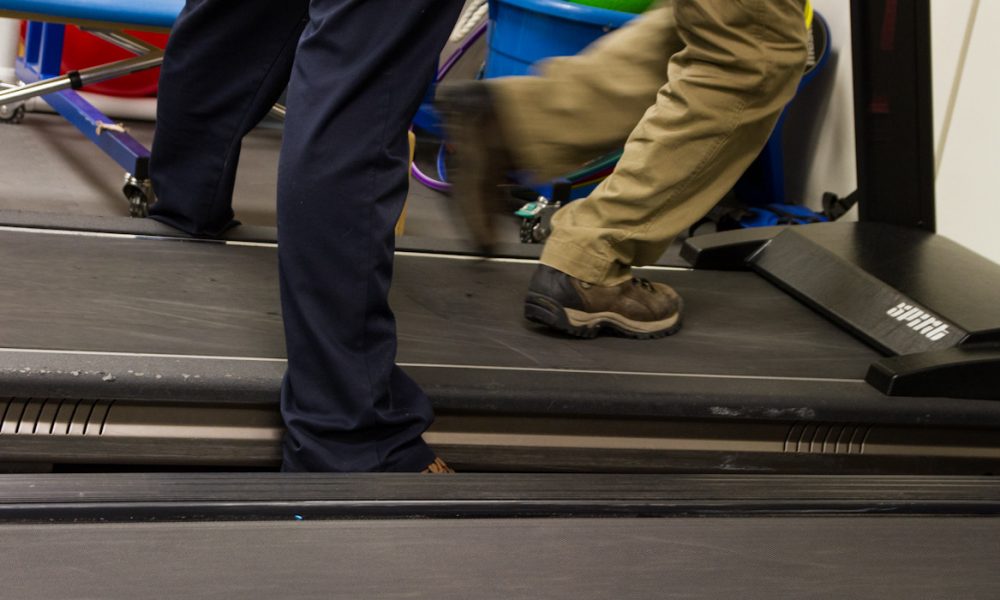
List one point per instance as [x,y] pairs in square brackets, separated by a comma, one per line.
[920,321]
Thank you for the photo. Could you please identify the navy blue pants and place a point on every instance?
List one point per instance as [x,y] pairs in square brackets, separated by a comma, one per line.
[356,71]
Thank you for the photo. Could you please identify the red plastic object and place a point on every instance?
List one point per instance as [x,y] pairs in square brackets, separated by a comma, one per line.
[82,50]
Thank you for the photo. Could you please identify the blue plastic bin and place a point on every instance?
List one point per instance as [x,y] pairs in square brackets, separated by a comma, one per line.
[522,32]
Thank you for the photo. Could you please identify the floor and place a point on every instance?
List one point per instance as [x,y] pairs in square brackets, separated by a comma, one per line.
[48,166]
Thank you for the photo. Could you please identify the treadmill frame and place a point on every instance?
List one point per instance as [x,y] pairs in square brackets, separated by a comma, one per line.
[893,116]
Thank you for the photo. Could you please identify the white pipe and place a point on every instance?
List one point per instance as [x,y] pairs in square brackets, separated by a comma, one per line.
[10,31]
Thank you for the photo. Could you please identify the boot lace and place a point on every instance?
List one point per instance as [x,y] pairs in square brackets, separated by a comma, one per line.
[643,283]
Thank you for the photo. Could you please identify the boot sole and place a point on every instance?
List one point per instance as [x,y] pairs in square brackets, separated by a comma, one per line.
[546,311]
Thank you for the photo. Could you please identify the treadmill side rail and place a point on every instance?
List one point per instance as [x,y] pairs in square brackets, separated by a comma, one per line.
[907,293]
[962,372]
[900,290]
[842,290]
[727,250]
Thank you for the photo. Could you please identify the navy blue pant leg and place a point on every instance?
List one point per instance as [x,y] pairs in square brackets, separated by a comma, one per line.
[226,64]
[360,72]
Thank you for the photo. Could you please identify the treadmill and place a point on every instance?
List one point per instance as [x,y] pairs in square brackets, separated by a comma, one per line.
[180,362]
[123,343]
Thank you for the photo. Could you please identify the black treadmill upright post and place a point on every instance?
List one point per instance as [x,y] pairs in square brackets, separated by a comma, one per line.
[892,111]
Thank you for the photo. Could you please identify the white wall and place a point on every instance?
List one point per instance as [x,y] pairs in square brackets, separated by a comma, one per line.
[819,133]
[819,130]
[948,21]
[968,205]
[8,49]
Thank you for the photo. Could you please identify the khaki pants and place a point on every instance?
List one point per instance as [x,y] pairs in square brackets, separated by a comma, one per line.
[692,89]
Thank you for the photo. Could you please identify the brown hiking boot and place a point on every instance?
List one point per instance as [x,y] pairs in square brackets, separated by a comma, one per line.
[481,160]
[636,308]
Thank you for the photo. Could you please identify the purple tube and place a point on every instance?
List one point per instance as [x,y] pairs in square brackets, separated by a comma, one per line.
[424,179]
[457,54]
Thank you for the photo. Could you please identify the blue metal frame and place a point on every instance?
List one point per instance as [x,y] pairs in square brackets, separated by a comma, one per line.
[136,14]
[43,46]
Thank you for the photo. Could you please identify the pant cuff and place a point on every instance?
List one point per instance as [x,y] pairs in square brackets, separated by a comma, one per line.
[584,264]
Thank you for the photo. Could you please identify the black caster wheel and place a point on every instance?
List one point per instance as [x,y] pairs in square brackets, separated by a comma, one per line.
[528,226]
[139,193]
[138,205]
[12,116]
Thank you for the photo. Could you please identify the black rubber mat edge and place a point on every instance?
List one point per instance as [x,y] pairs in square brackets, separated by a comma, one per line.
[176,497]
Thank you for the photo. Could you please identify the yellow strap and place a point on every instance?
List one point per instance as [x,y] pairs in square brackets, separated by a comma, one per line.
[809,14]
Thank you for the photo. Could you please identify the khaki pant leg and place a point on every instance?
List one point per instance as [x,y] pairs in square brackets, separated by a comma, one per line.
[740,64]
[583,106]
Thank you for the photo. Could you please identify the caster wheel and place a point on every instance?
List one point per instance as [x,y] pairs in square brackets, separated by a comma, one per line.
[12,116]
[528,230]
[139,193]
[138,205]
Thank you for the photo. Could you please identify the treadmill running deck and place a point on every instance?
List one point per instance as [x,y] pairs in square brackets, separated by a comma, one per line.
[199,325]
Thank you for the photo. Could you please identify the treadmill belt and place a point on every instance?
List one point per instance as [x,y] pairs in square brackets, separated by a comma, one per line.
[77,293]
[127,349]
[200,322]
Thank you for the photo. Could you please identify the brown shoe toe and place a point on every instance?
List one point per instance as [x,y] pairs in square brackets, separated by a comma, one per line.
[636,308]
[437,467]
